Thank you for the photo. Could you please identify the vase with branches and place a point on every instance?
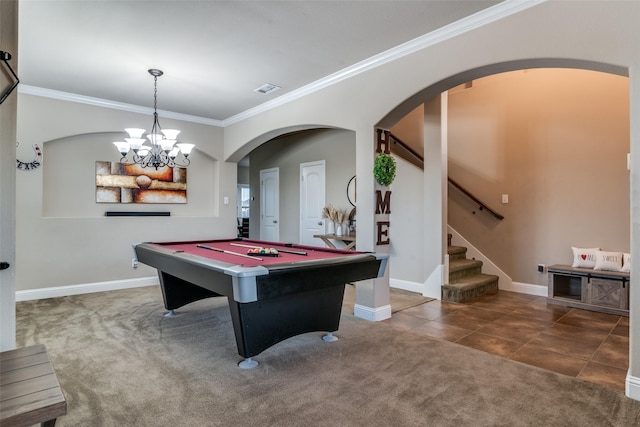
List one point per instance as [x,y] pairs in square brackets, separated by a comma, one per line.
[330,213]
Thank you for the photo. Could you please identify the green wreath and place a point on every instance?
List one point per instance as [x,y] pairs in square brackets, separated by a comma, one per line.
[384,170]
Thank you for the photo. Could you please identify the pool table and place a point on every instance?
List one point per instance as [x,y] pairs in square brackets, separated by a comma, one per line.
[271,298]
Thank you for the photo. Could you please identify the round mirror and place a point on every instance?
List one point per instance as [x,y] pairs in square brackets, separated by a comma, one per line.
[351,191]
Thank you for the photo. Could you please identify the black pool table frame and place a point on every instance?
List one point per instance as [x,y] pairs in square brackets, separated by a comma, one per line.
[268,303]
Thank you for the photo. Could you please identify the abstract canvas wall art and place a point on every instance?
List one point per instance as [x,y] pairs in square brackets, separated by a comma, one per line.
[120,183]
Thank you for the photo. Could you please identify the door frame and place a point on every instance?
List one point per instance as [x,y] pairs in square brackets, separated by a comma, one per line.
[262,201]
[322,163]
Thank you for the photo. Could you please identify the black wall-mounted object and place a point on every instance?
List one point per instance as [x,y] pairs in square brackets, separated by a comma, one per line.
[5,57]
[124,213]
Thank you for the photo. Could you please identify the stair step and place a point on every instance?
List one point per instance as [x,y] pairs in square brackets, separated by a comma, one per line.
[460,268]
[456,252]
[467,288]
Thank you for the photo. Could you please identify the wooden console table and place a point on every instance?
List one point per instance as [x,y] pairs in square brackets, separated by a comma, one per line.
[349,241]
[29,388]
[597,290]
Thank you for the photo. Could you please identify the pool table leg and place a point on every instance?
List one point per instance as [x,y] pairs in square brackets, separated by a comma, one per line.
[261,324]
[330,337]
[248,363]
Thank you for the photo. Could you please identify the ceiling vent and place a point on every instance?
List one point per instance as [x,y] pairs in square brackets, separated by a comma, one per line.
[267,88]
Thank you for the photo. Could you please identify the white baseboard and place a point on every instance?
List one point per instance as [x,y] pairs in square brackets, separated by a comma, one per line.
[373,314]
[632,387]
[85,288]
[406,285]
[527,288]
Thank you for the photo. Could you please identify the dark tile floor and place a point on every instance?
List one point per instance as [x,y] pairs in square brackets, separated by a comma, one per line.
[588,345]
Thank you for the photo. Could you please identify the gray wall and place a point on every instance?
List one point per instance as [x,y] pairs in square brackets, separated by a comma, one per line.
[243,175]
[63,237]
[336,147]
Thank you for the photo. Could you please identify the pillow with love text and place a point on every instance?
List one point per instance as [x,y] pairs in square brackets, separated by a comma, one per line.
[584,257]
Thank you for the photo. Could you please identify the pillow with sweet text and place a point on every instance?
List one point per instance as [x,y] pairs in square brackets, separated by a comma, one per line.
[611,261]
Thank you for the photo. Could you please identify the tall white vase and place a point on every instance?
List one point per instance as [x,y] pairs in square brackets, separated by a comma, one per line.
[331,227]
[338,229]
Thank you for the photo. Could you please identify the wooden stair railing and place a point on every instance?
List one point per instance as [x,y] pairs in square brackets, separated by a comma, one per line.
[481,205]
[418,160]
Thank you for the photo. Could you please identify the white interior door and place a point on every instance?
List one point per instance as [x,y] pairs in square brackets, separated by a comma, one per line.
[270,204]
[312,196]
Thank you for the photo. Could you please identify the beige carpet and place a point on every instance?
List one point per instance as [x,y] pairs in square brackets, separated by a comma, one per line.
[121,363]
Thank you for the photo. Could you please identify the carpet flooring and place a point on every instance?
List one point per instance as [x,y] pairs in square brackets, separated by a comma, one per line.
[121,363]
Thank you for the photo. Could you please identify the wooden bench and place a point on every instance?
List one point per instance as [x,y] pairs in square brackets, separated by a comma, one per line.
[597,290]
[29,388]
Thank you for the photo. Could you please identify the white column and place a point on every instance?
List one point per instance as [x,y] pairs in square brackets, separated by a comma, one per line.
[372,296]
[435,195]
[633,375]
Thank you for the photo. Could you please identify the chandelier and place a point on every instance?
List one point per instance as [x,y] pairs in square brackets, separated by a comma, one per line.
[163,150]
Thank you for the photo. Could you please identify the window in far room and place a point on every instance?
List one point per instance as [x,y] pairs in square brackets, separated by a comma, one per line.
[243,200]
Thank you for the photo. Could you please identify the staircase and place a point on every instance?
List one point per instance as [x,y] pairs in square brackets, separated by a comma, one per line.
[466,280]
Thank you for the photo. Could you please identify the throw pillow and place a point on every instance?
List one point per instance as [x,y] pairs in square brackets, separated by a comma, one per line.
[611,261]
[626,263]
[584,257]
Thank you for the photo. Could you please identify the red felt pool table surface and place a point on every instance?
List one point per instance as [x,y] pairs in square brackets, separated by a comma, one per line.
[312,252]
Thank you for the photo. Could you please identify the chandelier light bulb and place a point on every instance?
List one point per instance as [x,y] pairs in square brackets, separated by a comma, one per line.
[185,148]
[170,133]
[135,143]
[174,153]
[167,144]
[123,147]
[135,132]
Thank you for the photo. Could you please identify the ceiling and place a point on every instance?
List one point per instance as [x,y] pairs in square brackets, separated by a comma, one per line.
[213,53]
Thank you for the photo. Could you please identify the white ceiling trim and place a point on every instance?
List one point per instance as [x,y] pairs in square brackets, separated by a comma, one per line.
[106,103]
[479,19]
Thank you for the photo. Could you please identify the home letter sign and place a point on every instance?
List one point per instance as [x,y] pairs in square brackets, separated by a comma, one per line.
[383,204]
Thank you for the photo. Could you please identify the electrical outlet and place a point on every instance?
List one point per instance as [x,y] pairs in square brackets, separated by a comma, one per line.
[541,268]
[134,263]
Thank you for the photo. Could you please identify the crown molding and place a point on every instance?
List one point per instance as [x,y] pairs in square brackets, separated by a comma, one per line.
[479,19]
[106,103]
[471,22]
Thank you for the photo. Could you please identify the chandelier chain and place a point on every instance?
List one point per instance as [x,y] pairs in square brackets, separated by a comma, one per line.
[155,93]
